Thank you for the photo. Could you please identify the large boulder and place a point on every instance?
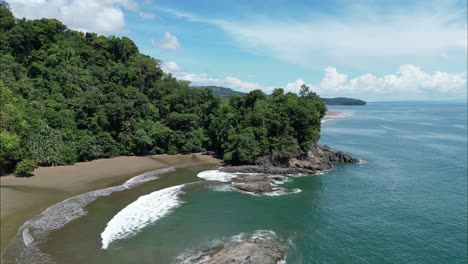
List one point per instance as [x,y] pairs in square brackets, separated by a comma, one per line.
[258,250]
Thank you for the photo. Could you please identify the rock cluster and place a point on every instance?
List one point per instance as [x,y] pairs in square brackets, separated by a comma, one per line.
[318,159]
[254,250]
[258,184]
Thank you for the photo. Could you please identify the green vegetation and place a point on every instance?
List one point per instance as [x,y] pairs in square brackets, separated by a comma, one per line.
[222,92]
[25,168]
[343,101]
[68,96]
[225,92]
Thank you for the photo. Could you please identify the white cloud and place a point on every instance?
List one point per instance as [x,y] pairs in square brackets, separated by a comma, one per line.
[171,67]
[409,82]
[169,42]
[236,82]
[294,87]
[205,80]
[103,16]
[364,36]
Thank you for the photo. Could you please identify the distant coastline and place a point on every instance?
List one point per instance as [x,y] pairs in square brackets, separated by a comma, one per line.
[225,92]
[343,101]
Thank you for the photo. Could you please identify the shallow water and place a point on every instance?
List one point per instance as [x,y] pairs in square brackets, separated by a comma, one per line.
[407,204]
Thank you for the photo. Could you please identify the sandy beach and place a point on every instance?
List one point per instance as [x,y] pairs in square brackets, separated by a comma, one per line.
[23,198]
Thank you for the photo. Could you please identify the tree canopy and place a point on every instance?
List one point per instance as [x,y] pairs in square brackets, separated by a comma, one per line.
[68,96]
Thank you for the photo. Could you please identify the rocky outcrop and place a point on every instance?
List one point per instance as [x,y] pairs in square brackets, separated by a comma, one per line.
[318,160]
[258,184]
[259,187]
[336,157]
[256,250]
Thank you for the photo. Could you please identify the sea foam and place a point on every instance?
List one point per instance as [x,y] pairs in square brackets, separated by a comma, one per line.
[144,211]
[216,175]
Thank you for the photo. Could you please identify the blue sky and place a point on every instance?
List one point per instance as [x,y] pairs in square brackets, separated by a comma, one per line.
[375,50]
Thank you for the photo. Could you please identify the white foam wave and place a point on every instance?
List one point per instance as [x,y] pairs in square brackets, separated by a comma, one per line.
[336,116]
[216,175]
[222,188]
[282,191]
[362,162]
[144,211]
[24,247]
[283,180]
[147,176]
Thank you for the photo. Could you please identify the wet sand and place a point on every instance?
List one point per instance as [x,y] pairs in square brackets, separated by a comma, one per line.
[23,198]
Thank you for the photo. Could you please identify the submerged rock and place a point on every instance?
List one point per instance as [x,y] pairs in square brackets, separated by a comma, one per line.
[258,187]
[255,250]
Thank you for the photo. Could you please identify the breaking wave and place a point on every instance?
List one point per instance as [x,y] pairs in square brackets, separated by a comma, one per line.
[144,211]
[216,175]
[24,247]
[225,177]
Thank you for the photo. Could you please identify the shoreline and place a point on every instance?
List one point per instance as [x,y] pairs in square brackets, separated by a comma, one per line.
[333,113]
[21,198]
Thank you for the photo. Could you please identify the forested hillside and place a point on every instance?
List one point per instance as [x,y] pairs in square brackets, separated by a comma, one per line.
[222,92]
[68,96]
[343,101]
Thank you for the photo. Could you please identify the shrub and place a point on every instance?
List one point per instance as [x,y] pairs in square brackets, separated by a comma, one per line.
[25,168]
[67,155]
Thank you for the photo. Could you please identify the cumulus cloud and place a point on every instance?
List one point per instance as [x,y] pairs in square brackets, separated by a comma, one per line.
[104,17]
[236,82]
[171,67]
[205,80]
[294,87]
[409,82]
[169,42]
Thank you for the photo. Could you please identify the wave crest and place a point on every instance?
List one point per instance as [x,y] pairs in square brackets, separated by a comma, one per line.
[145,210]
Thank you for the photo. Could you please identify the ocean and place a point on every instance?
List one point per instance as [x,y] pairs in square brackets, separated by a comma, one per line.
[405,203]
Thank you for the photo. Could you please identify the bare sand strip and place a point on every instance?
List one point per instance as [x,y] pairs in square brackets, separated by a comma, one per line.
[23,198]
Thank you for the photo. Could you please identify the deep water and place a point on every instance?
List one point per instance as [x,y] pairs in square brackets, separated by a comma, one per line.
[406,204]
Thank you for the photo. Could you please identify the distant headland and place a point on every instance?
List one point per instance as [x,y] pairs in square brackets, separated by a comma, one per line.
[226,92]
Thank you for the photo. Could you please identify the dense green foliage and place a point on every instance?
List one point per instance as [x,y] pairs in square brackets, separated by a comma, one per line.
[343,101]
[222,92]
[25,168]
[68,96]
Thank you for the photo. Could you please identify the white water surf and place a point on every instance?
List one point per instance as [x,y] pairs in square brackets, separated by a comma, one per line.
[144,211]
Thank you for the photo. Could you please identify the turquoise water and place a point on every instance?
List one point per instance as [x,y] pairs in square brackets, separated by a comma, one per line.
[406,204]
